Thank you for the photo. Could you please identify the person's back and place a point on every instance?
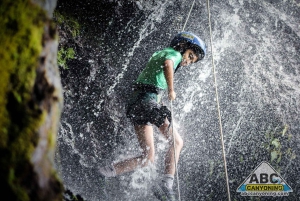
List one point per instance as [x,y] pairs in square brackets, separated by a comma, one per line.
[153,74]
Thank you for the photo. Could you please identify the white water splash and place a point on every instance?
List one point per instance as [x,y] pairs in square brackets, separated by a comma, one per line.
[145,30]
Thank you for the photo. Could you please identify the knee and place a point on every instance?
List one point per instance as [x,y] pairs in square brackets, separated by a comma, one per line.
[179,141]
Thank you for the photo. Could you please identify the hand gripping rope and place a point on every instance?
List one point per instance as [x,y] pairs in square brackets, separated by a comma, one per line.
[218,108]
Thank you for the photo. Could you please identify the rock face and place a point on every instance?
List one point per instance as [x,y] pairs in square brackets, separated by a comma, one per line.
[256,55]
[31,102]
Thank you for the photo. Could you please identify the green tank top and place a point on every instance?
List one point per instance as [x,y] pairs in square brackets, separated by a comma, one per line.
[153,74]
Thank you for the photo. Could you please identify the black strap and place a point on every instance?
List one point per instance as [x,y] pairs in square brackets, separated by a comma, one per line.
[146,88]
[166,113]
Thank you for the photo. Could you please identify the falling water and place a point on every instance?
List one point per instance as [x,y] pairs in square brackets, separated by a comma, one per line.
[256,51]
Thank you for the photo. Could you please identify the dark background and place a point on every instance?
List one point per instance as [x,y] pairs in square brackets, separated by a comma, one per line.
[256,54]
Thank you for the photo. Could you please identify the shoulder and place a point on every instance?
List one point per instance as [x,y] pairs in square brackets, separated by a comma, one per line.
[172,54]
[171,51]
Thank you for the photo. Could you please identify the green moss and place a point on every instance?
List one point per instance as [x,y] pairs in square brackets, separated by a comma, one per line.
[275,139]
[69,22]
[64,55]
[72,28]
[21,31]
[285,129]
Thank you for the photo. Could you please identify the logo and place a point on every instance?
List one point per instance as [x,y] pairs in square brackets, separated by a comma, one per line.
[264,181]
[188,36]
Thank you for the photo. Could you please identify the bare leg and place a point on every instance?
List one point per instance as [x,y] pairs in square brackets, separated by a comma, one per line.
[145,137]
[169,160]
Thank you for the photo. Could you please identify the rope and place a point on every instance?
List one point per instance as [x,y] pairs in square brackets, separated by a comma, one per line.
[218,107]
[174,146]
[218,104]
[188,15]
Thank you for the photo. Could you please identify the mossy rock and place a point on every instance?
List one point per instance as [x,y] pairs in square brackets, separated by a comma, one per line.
[22,111]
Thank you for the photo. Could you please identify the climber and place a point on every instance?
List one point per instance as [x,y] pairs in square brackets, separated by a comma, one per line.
[144,109]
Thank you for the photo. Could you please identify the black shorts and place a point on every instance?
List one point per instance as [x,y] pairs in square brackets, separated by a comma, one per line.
[143,108]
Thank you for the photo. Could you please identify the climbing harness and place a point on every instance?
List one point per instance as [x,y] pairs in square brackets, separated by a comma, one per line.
[218,108]
[218,103]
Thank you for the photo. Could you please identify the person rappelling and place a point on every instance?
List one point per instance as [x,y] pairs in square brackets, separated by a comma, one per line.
[144,109]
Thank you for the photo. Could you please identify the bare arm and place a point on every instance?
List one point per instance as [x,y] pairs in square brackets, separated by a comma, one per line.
[169,74]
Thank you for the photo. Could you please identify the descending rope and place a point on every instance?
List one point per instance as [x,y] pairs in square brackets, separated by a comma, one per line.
[188,15]
[175,154]
[218,107]
[218,104]
[174,146]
